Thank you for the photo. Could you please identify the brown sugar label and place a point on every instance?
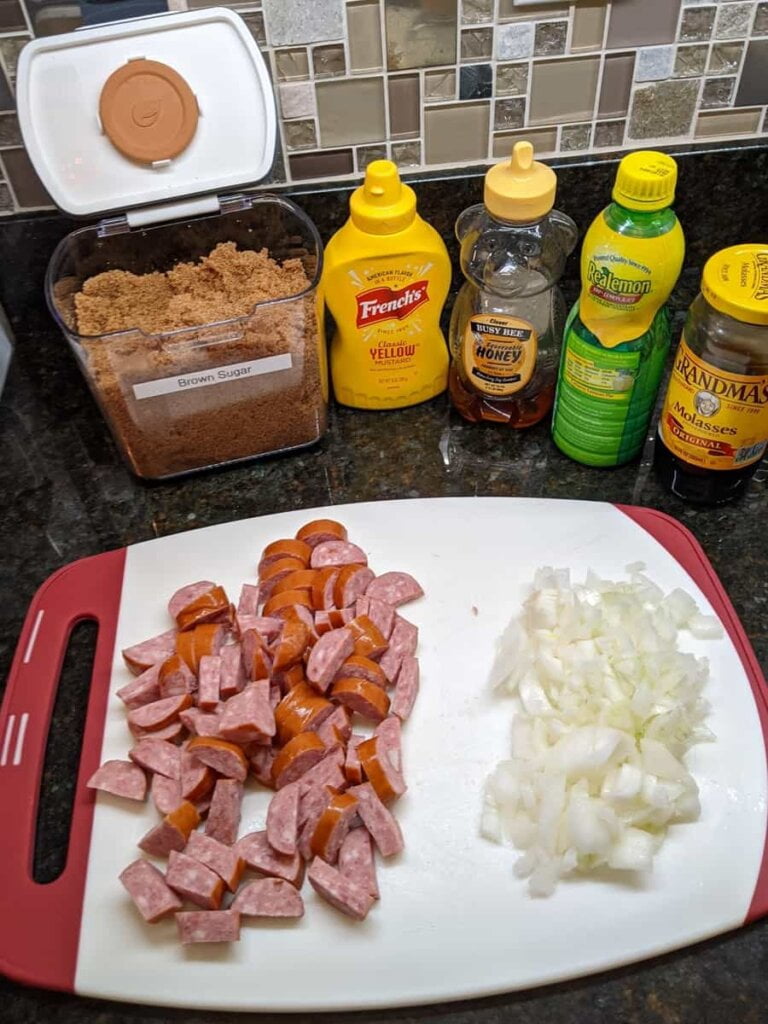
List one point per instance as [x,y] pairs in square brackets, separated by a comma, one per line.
[212,375]
[712,418]
[499,353]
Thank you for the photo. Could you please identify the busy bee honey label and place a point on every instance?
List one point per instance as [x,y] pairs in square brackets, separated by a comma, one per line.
[499,353]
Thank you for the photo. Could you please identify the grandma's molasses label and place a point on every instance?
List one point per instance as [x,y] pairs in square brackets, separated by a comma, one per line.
[712,418]
[499,353]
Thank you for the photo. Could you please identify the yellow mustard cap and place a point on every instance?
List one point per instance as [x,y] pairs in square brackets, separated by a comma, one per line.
[520,189]
[735,282]
[382,205]
[645,180]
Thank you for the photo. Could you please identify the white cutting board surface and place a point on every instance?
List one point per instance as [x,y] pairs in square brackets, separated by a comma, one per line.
[453,921]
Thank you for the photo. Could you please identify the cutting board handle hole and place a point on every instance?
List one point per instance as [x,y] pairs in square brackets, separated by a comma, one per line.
[62,753]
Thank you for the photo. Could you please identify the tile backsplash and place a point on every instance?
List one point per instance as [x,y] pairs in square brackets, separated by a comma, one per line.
[444,83]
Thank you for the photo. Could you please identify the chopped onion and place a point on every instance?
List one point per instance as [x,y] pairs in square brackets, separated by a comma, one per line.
[608,707]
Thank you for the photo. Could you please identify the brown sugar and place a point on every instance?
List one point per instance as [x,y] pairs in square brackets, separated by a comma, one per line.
[211,402]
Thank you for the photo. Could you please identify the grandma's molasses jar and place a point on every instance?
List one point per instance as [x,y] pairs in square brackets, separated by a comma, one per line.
[713,430]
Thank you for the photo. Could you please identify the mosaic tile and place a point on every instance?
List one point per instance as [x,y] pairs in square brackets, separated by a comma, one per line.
[733,20]
[11,16]
[476,43]
[642,23]
[255,22]
[690,61]
[294,21]
[297,100]
[456,134]
[322,164]
[574,137]
[291,64]
[367,154]
[10,133]
[730,122]
[512,10]
[549,38]
[300,135]
[760,24]
[440,85]
[514,41]
[618,70]
[717,92]
[696,24]
[23,179]
[420,34]
[654,63]
[609,134]
[543,140]
[364,27]
[475,82]
[511,79]
[6,199]
[7,101]
[725,57]
[476,12]
[509,113]
[563,90]
[588,26]
[350,111]
[406,154]
[10,48]
[329,61]
[753,86]
[404,106]
[663,110]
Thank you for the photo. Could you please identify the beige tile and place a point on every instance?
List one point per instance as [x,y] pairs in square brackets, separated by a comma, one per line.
[549,39]
[574,137]
[725,57]
[364,36]
[297,99]
[727,122]
[330,164]
[300,135]
[690,61]
[350,111]
[663,110]
[407,154]
[476,44]
[642,23]
[329,61]
[456,133]
[404,106]
[544,141]
[609,134]
[563,90]
[367,154]
[420,34]
[717,92]
[588,26]
[511,79]
[440,85]
[510,11]
[476,12]
[616,85]
[696,24]
[291,65]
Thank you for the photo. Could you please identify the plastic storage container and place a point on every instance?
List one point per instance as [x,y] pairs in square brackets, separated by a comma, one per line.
[224,390]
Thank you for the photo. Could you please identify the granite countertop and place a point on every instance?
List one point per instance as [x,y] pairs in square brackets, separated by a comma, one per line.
[67,494]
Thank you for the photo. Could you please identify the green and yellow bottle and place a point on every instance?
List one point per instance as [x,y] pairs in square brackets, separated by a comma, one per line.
[617,335]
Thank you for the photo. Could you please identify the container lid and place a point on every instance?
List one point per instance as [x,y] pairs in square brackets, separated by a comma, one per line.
[520,189]
[735,282]
[382,205]
[147,111]
[645,180]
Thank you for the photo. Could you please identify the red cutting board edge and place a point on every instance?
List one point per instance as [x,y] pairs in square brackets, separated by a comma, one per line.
[42,923]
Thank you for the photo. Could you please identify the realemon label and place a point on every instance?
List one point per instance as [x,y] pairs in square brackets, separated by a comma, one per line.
[215,375]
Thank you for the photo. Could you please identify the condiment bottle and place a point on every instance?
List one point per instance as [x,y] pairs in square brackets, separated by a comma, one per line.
[713,429]
[508,318]
[385,281]
[618,335]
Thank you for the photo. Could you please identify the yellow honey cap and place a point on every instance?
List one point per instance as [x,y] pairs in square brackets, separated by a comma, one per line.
[645,180]
[383,205]
[735,282]
[520,189]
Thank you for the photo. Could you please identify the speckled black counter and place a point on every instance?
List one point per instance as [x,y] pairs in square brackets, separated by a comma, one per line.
[66,494]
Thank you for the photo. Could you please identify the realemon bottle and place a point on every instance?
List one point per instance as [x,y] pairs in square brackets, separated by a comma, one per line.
[713,429]
[617,336]
[508,318]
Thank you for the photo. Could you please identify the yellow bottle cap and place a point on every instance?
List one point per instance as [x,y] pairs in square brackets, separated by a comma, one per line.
[735,282]
[382,205]
[645,180]
[520,189]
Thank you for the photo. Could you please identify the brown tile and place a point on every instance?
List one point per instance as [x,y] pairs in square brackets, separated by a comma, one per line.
[509,113]
[574,137]
[50,19]
[300,135]
[717,92]
[367,154]
[24,181]
[364,28]
[696,24]
[10,133]
[329,61]
[11,16]
[328,164]
[255,22]
[642,22]
[609,134]
[588,26]
[407,154]
[760,24]
[616,86]
[733,21]
[544,140]
[10,49]
[476,44]
[690,61]
[476,12]
[7,101]
[663,110]
[404,106]
[6,199]
[563,90]
[420,34]
[510,11]
[511,79]
[725,57]
[292,64]
[727,122]
[753,88]
[549,38]
[440,85]
[456,134]
[350,110]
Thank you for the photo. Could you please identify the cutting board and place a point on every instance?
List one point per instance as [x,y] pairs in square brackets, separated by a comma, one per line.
[453,921]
